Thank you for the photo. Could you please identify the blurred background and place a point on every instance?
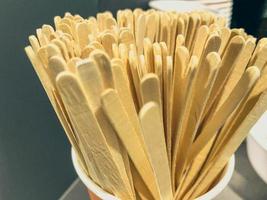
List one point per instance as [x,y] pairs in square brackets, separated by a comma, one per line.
[35,160]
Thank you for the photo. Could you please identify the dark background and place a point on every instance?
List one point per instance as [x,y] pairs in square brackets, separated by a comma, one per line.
[35,160]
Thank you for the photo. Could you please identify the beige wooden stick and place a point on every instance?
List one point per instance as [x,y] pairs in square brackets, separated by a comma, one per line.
[168,97]
[153,133]
[193,25]
[200,41]
[180,65]
[260,58]
[242,111]
[212,45]
[241,89]
[171,47]
[148,53]
[103,62]
[140,186]
[126,37]
[82,30]
[121,123]
[182,139]
[86,126]
[124,93]
[91,80]
[150,89]
[225,35]
[140,33]
[151,26]
[34,43]
[228,61]
[107,40]
[56,64]
[62,46]
[262,42]
[238,69]
[221,159]
[205,79]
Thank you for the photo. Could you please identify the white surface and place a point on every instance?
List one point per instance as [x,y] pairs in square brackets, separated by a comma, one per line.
[215,191]
[259,131]
[179,6]
[257,147]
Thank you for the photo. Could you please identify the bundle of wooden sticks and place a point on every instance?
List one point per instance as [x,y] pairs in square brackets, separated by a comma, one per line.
[154,103]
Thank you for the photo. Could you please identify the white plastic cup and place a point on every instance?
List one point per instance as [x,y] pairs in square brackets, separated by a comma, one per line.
[257,147]
[97,193]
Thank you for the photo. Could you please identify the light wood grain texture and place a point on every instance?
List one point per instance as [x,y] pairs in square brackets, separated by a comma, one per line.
[121,123]
[153,133]
[85,124]
[241,89]
[239,135]
[181,141]
[150,89]
[228,61]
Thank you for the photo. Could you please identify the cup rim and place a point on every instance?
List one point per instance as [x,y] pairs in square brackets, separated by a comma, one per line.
[99,192]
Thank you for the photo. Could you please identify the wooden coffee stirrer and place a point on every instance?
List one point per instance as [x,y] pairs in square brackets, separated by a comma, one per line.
[92,82]
[125,130]
[140,33]
[41,37]
[168,97]
[238,69]
[165,30]
[43,76]
[200,41]
[215,167]
[225,36]
[63,49]
[204,81]
[261,43]
[180,64]
[122,87]
[242,111]
[185,17]
[126,37]
[172,40]
[165,90]
[260,58]
[34,43]
[87,127]
[148,53]
[212,45]
[133,65]
[228,61]
[153,133]
[180,26]
[150,90]
[151,26]
[55,66]
[82,30]
[180,151]
[242,88]
[193,26]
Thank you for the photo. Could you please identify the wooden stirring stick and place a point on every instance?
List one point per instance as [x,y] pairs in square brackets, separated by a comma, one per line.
[150,90]
[153,132]
[121,123]
[140,32]
[242,88]
[90,78]
[180,145]
[239,135]
[228,61]
[86,125]
[238,69]
[180,65]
